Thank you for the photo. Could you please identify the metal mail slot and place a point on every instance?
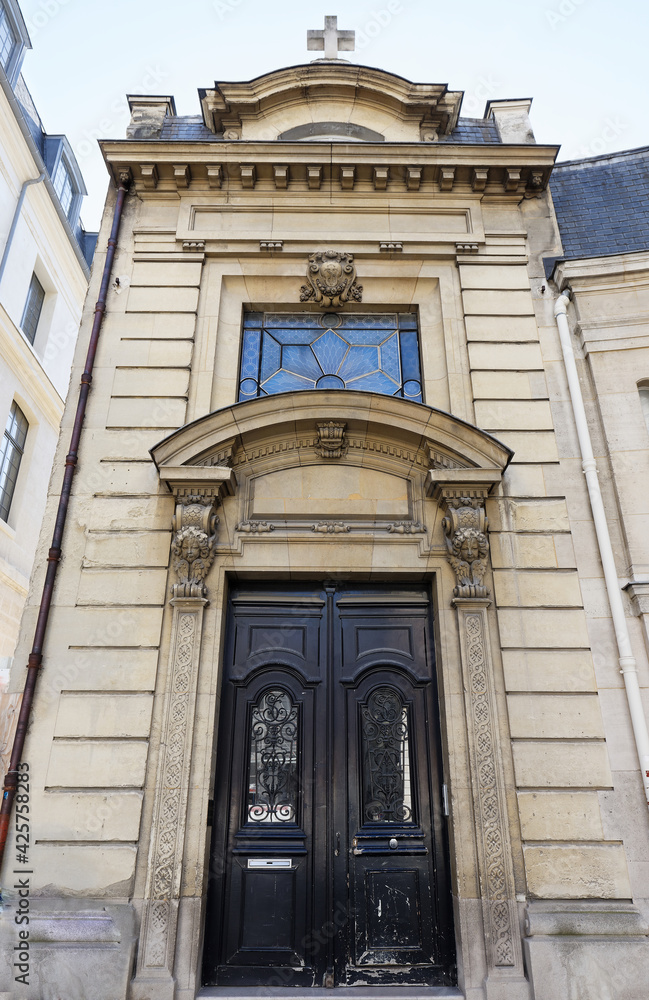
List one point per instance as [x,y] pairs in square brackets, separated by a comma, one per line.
[269,863]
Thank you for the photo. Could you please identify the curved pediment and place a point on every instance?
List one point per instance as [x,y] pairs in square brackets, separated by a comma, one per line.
[358,97]
[353,428]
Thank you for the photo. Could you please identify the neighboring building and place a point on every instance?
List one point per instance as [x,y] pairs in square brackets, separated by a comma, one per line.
[331,692]
[45,260]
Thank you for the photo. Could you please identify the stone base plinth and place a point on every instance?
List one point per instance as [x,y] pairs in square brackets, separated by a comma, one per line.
[587,949]
[80,951]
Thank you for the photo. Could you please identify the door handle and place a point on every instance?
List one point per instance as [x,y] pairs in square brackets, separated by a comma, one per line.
[393,843]
[337,851]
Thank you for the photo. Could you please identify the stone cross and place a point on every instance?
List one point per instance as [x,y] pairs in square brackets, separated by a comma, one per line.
[331,40]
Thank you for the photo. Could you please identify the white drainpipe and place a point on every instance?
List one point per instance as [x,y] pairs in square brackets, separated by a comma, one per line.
[628,666]
[14,221]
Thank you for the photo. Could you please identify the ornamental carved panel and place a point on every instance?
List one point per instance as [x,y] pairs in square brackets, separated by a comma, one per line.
[331,280]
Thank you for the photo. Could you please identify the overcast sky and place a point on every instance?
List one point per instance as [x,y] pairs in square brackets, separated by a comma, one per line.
[585,62]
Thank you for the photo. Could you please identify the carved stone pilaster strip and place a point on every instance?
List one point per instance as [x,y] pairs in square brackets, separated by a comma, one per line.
[502,937]
[172,782]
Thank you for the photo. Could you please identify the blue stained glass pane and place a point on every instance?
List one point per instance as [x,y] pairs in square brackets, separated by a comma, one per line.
[248,388]
[365,337]
[390,358]
[287,382]
[271,359]
[407,321]
[289,320]
[359,361]
[304,336]
[330,351]
[330,382]
[331,321]
[301,361]
[374,321]
[250,353]
[412,389]
[376,382]
[409,355]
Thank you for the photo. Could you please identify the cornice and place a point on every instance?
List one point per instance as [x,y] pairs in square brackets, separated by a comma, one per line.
[603,272]
[508,171]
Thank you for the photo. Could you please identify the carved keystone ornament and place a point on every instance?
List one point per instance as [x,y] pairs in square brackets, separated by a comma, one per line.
[331,278]
[192,546]
[331,440]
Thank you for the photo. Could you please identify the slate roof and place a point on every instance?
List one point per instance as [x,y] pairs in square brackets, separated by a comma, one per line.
[473,130]
[602,203]
[186,128]
[190,128]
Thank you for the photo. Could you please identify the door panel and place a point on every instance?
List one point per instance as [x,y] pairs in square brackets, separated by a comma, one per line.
[328,854]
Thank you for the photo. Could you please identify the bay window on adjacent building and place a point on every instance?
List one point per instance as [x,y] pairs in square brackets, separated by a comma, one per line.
[7,38]
[63,186]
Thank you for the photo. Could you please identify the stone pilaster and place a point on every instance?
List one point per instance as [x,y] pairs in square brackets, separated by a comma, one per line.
[192,550]
[465,529]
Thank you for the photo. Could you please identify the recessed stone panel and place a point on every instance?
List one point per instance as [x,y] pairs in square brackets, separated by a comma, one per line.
[330,491]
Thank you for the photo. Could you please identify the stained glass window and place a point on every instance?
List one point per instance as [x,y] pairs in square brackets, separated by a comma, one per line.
[288,352]
[273,764]
[387,792]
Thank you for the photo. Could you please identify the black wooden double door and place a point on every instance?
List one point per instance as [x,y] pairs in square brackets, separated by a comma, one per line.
[328,862]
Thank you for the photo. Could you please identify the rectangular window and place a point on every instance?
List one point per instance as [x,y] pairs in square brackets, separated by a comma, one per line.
[7,38]
[11,452]
[371,352]
[33,307]
[63,186]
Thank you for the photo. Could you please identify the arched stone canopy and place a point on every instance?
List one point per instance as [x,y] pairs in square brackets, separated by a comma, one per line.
[374,425]
[332,91]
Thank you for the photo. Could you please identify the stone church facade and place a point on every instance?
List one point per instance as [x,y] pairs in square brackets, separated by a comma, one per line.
[331,692]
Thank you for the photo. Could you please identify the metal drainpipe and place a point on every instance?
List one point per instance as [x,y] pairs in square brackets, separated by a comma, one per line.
[36,656]
[14,221]
[628,666]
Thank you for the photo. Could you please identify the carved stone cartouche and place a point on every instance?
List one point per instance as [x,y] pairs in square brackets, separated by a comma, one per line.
[192,546]
[331,280]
